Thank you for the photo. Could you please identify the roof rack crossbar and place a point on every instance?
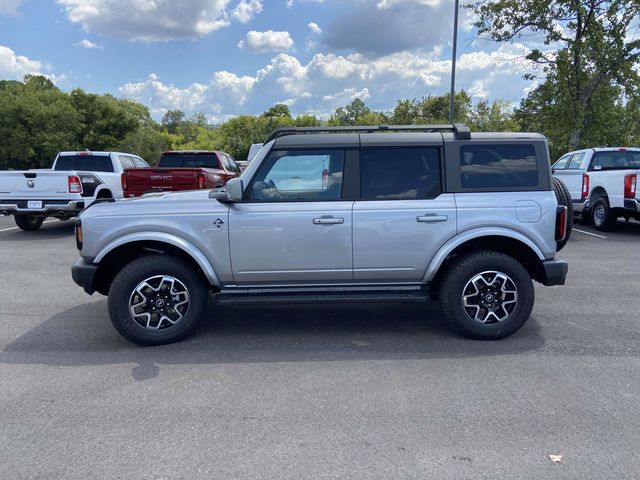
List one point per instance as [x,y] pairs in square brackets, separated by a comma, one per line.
[461,131]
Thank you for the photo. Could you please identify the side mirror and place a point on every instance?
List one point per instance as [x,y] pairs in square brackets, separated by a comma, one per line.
[231,192]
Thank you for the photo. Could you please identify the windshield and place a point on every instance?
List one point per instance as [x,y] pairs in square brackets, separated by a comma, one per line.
[205,160]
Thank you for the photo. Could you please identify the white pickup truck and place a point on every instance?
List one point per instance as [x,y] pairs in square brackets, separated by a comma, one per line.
[75,181]
[602,183]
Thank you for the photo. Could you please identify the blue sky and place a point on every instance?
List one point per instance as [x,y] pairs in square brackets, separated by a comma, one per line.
[229,57]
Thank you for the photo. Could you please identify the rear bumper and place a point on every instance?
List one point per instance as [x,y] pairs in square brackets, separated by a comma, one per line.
[580,206]
[631,204]
[554,272]
[65,207]
[84,274]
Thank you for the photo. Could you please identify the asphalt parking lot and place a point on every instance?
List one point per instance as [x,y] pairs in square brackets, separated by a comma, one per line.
[321,391]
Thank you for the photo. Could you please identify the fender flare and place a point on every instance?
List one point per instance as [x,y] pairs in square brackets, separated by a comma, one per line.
[455,242]
[178,242]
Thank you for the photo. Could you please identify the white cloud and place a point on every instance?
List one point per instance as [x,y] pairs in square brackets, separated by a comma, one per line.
[85,43]
[15,67]
[386,4]
[328,81]
[150,20]
[268,41]
[315,29]
[9,7]
[246,10]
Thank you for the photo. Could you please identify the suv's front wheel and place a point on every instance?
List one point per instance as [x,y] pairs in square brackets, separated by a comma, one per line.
[156,299]
[486,295]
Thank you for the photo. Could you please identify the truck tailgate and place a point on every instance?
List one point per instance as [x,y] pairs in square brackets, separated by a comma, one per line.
[142,180]
[36,184]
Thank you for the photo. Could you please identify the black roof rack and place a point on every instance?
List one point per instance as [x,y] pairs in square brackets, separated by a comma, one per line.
[460,130]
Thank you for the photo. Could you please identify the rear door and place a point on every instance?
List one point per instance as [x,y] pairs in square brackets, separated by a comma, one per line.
[402,217]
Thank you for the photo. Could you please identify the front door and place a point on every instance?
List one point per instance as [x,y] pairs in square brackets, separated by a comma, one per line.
[293,226]
[402,218]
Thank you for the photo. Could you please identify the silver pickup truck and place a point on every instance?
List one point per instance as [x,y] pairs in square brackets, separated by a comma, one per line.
[354,214]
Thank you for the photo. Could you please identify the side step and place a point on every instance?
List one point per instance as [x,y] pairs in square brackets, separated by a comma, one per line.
[413,296]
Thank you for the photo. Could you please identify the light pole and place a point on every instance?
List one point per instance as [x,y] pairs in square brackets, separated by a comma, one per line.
[453,62]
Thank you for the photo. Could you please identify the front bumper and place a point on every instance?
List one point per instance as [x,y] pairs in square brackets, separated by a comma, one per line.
[63,207]
[554,272]
[84,274]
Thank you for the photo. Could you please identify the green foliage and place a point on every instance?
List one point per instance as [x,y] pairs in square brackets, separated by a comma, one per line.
[589,62]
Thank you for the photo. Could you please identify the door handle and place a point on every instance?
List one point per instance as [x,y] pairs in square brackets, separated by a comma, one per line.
[432,218]
[327,221]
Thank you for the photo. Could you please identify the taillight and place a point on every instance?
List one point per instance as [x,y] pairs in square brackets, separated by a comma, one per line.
[561,223]
[202,180]
[123,181]
[75,186]
[630,185]
[585,186]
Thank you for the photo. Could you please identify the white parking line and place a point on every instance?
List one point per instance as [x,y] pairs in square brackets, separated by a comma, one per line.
[589,233]
[15,228]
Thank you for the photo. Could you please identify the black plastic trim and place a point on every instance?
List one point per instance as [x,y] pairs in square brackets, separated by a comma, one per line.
[83,274]
[554,272]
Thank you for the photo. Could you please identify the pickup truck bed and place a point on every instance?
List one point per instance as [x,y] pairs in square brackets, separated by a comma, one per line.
[180,170]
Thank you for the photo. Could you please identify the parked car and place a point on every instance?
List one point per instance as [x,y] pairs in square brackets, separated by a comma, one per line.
[331,214]
[602,183]
[181,170]
[75,181]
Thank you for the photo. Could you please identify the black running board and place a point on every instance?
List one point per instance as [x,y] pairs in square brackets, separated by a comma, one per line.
[417,296]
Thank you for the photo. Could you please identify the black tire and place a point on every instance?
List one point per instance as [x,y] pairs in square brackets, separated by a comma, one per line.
[457,279]
[564,198]
[123,291]
[28,223]
[602,216]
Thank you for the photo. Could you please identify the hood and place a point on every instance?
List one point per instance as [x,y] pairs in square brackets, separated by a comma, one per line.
[170,196]
[177,203]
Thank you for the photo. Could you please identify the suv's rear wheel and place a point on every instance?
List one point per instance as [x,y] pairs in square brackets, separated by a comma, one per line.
[602,216]
[156,299]
[486,295]
[28,222]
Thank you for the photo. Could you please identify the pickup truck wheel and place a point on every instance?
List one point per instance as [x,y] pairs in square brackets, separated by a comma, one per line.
[602,216]
[486,295]
[156,299]
[28,223]
[564,198]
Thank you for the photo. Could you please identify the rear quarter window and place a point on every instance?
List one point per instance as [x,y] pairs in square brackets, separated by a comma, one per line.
[487,166]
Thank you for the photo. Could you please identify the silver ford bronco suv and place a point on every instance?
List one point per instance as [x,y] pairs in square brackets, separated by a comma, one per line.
[328,214]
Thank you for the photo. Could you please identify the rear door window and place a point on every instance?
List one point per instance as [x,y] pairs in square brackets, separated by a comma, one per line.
[575,162]
[126,161]
[399,173]
[486,166]
[139,163]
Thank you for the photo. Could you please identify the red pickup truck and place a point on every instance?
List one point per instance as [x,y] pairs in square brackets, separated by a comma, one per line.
[181,170]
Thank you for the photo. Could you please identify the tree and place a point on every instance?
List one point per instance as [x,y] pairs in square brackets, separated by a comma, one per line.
[278,110]
[172,119]
[350,114]
[589,46]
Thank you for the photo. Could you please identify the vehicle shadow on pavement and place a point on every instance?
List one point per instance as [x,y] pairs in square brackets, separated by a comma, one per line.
[83,335]
[48,231]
